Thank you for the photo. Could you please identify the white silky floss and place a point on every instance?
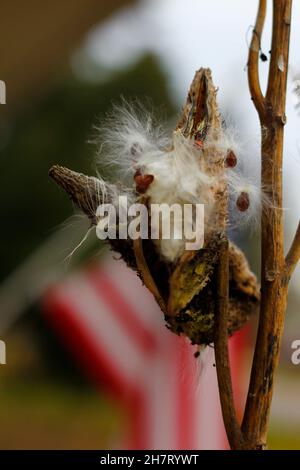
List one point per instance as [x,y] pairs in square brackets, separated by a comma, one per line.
[130,142]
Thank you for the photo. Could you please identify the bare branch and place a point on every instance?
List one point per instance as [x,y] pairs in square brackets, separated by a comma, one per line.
[253,60]
[276,88]
[145,273]
[293,255]
[232,427]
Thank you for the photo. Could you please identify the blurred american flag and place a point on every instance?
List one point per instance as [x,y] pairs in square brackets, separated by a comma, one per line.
[116,332]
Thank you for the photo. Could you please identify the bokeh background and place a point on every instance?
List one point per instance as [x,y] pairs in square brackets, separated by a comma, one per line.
[64,63]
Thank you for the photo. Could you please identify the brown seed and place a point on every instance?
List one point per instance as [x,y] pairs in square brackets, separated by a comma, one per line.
[243,201]
[231,159]
[142,181]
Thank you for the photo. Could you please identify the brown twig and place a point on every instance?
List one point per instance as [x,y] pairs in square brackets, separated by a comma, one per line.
[253,75]
[274,281]
[293,255]
[145,273]
[232,426]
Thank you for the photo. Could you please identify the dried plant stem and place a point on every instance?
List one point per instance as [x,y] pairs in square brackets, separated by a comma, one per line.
[253,76]
[274,279]
[145,273]
[232,426]
[293,255]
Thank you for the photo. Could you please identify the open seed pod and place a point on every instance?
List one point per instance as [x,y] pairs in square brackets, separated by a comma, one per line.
[184,283]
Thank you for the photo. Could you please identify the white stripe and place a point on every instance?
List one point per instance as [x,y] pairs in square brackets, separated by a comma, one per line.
[160,390]
[138,296]
[211,429]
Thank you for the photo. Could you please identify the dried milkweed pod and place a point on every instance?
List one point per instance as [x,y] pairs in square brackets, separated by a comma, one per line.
[192,167]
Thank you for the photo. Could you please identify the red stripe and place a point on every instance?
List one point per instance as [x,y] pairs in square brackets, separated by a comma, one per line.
[139,427]
[237,361]
[107,290]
